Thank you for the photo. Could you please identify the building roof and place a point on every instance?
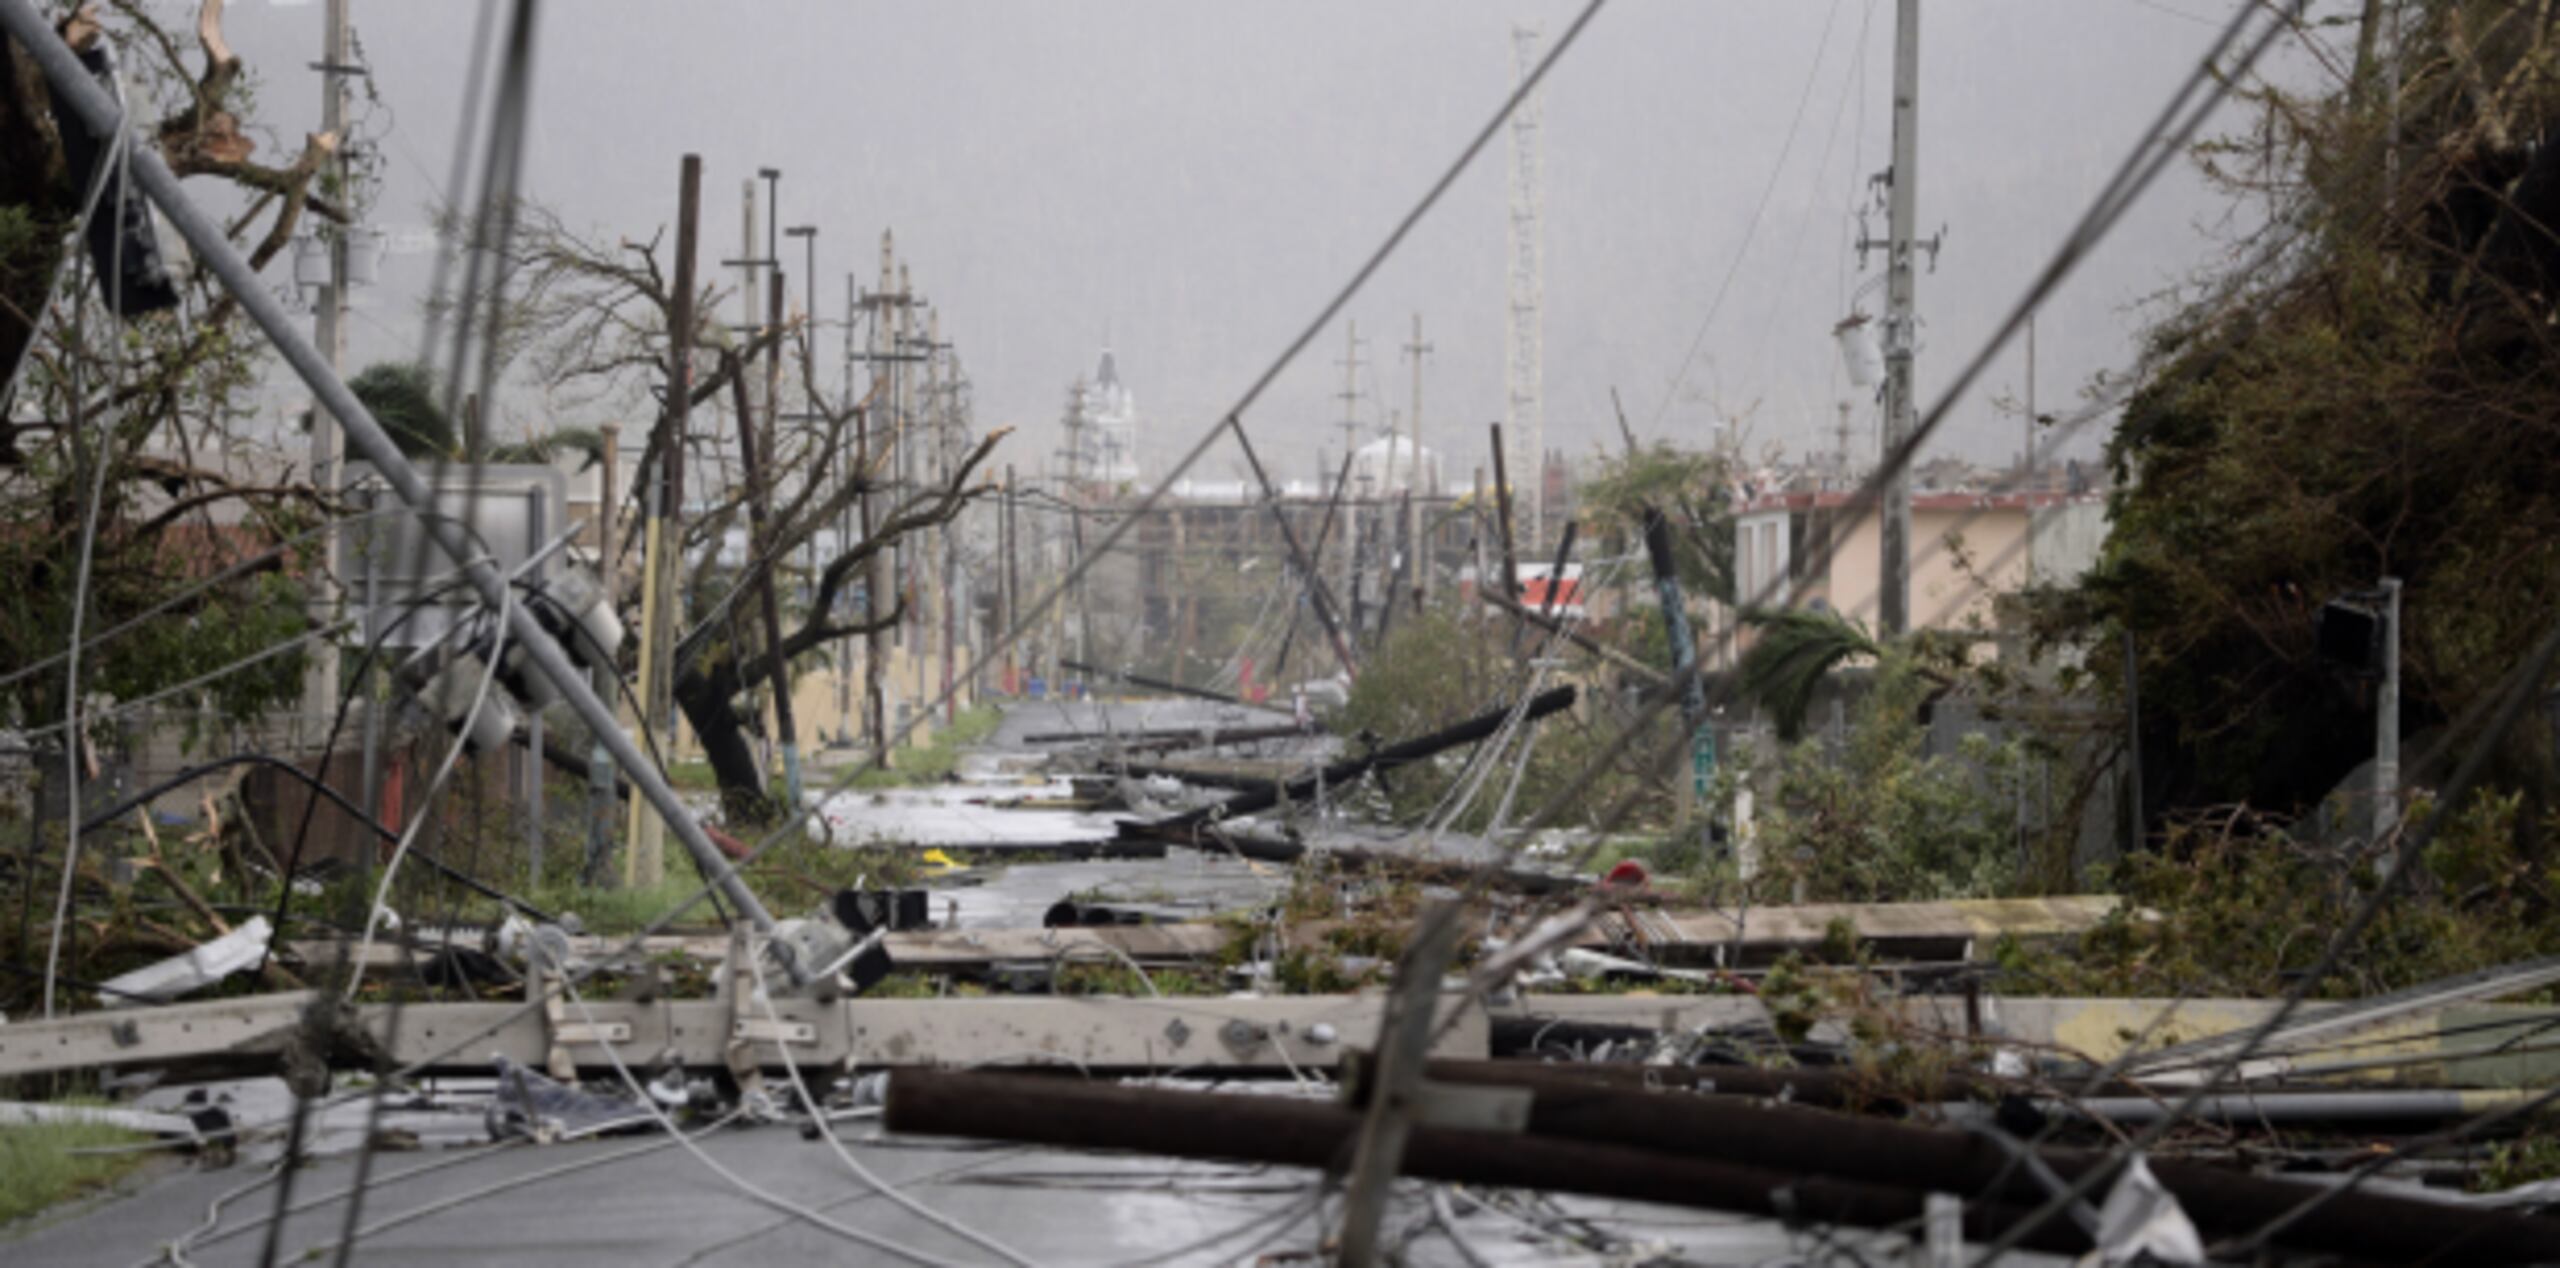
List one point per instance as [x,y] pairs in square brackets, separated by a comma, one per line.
[1962,500]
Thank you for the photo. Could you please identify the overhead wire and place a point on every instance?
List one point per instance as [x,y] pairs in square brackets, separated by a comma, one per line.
[1751,227]
[510,108]
[818,1117]
[101,457]
[426,799]
[758,1193]
[2162,143]
[1231,420]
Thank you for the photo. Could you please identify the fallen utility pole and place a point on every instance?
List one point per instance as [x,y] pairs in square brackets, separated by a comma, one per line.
[1172,737]
[1324,533]
[1157,684]
[1576,637]
[1204,776]
[1831,1088]
[1069,1112]
[100,114]
[1795,1141]
[1316,593]
[1266,847]
[251,1035]
[1186,826]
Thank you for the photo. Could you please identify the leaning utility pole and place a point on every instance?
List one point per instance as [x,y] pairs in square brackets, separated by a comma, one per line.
[320,677]
[644,863]
[1893,605]
[608,677]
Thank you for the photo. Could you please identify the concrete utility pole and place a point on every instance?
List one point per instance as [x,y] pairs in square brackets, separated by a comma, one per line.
[2027,455]
[847,520]
[1350,454]
[939,393]
[1893,606]
[328,330]
[880,426]
[1421,558]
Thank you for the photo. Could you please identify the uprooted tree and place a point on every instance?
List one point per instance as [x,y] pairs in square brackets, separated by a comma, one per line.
[603,313]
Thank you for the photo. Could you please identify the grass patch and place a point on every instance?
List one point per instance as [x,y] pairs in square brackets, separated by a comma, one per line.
[692,776]
[38,1169]
[932,763]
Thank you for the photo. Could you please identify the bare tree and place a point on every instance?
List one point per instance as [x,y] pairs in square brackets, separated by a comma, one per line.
[599,317]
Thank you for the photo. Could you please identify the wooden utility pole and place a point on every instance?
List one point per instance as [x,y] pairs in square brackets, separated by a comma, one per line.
[1502,519]
[644,863]
[756,458]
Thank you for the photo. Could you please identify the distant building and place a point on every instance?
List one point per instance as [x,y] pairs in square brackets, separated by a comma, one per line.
[1385,467]
[1111,426]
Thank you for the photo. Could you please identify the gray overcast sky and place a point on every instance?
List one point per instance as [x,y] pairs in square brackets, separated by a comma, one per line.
[1196,179]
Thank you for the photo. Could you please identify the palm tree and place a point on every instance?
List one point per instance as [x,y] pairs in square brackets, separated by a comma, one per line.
[401,395]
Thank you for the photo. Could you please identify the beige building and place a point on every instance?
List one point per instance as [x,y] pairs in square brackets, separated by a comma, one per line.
[1965,549]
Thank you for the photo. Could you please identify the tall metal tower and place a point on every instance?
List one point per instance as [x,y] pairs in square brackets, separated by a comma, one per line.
[1524,427]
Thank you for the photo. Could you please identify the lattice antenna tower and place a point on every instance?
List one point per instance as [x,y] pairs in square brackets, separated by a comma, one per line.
[1524,429]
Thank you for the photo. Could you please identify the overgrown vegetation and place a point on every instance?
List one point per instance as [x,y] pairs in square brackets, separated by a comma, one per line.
[2377,401]
[1881,820]
[933,761]
[1445,666]
[38,1165]
[2230,906]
